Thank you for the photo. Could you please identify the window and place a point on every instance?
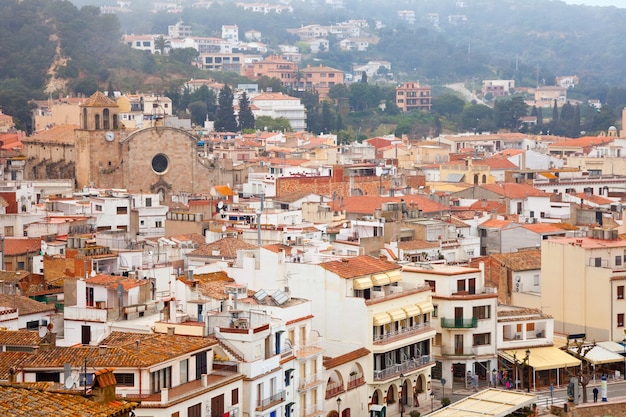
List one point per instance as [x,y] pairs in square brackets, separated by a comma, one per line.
[89,296]
[184,371]
[98,207]
[620,320]
[161,379]
[125,380]
[620,292]
[431,284]
[437,341]
[122,210]
[435,311]
[158,223]
[618,260]
[530,327]
[482,339]
[195,410]
[32,325]
[8,231]
[234,396]
[481,312]
[460,285]
[148,202]
[536,280]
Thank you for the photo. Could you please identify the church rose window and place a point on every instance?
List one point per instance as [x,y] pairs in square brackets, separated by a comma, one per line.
[160,163]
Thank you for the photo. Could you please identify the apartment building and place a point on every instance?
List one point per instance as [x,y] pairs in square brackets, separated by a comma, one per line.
[320,79]
[275,67]
[464,318]
[583,284]
[412,96]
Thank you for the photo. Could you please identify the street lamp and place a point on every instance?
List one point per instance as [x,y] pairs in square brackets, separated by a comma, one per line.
[432,401]
[401,394]
[338,406]
[624,346]
[527,360]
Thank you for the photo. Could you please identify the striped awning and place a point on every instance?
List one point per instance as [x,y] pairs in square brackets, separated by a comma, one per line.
[380,279]
[425,307]
[411,310]
[362,283]
[394,276]
[381,319]
[397,315]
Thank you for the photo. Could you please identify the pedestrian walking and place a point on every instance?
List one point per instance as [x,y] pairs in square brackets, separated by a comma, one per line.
[595,394]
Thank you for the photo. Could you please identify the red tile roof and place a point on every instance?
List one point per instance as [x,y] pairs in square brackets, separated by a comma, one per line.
[345,358]
[20,246]
[358,266]
[514,190]
[25,305]
[368,204]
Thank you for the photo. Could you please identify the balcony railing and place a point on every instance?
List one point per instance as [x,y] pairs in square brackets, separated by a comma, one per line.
[270,401]
[304,351]
[356,381]
[310,381]
[459,323]
[333,388]
[403,367]
[313,409]
[403,332]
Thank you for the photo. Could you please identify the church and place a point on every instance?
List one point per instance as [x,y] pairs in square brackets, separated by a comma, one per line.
[102,153]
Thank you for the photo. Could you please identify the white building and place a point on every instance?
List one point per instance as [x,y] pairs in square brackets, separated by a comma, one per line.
[465,323]
[277,105]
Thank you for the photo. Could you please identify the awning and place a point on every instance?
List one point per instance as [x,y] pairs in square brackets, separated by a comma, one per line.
[411,310]
[381,319]
[380,279]
[362,283]
[454,178]
[397,315]
[549,175]
[394,276]
[542,358]
[613,347]
[425,307]
[487,403]
[597,355]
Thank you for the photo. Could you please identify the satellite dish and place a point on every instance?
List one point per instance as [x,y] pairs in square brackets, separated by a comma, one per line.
[160,305]
[223,228]
[220,204]
[345,225]
[69,382]
[43,331]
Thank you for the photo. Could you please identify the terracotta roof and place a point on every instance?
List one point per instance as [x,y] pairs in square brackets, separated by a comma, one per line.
[10,360]
[345,358]
[62,134]
[25,305]
[13,276]
[224,248]
[277,247]
[596,199]
[358,266]
[514,190]
[488,205]
[19,338]
[543,228]
[496,224]
[209,285]
[30,401]
[368,204]
[417,244]
[272,97]
[582,142]
[496,163]
[525,260]
[113,281]
[21,246]
[99,99]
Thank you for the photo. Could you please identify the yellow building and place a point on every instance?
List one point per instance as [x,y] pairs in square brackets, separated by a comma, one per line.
[582,284]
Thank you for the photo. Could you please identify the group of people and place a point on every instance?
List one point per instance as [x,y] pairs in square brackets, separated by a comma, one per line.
[502,378]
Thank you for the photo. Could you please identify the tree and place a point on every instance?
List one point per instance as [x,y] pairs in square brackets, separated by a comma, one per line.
[585,374]
[198,112]
[225,116]
[110,91]
[268,123]
[246,118]
[364,77]
[162,45]
[448,105]
[184,55]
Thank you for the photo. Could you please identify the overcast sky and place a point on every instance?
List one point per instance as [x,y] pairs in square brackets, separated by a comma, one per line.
[616,3]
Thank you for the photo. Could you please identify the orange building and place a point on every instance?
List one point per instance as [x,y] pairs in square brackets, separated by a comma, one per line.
[275,67]
[412,96]
[320,79]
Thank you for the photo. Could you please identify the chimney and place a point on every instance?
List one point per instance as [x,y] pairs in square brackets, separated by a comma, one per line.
[171,331]
[102,350]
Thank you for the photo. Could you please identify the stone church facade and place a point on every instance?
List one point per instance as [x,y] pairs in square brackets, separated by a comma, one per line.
[158,159]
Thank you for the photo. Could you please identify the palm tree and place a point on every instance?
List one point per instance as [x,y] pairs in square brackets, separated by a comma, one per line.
[162,45]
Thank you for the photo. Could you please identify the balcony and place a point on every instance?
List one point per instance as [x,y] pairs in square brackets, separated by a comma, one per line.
[402,368]
[402,333]
[306,351]
[85,313]
[310,382]
[334,388]
[459,323]
[270,401]
[356,381]
[313,410]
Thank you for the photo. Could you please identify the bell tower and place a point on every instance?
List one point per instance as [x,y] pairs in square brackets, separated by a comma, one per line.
[98,150]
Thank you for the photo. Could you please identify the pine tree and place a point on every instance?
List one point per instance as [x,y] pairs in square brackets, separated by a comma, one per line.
[225,115]
[110,91]
[246,118]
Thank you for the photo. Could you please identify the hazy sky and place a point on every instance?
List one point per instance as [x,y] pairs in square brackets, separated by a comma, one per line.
[616,3]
